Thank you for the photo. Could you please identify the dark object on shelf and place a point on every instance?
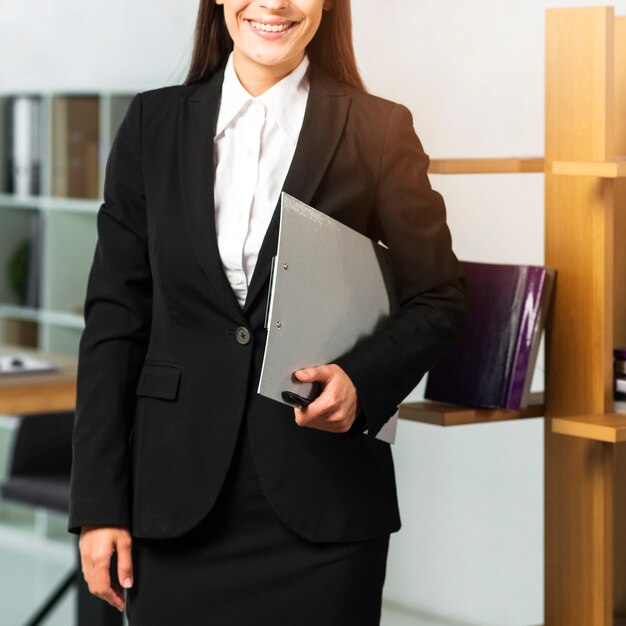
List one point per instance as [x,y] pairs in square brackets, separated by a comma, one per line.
[17,270]
[493,363]
[619,374]
[21,332]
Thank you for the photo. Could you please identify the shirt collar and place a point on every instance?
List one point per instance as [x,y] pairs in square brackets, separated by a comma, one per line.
[280,100]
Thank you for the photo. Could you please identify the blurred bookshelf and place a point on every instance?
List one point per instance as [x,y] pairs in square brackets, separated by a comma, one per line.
[53,152]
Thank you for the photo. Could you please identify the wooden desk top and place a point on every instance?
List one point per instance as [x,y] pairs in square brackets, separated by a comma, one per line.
[38,393]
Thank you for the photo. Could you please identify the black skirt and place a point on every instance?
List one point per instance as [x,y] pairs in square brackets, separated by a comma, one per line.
[242,566]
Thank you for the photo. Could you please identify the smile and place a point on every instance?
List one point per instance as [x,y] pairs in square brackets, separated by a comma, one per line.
[271,28]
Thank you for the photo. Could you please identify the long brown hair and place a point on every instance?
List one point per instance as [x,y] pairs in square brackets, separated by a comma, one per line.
[331,48]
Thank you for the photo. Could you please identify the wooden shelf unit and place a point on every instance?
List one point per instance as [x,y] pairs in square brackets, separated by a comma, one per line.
[585,221]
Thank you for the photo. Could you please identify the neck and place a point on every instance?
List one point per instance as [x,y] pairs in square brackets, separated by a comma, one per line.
[257,78]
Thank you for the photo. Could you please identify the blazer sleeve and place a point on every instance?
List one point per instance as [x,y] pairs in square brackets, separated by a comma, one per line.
[410,218]
[112,347]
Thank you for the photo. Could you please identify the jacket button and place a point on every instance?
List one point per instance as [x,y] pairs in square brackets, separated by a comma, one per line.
[243,335]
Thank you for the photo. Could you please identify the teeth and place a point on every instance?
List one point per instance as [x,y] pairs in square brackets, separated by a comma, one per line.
[270,28]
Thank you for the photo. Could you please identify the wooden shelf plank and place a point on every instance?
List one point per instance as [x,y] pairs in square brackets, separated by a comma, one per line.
[66,319]
[73,205]
[19,312]
[610,427]
[508,165]
[50,203]
[12,201]
[600,169]
[440,414]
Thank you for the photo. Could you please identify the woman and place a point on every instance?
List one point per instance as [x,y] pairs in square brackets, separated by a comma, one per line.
[224,507]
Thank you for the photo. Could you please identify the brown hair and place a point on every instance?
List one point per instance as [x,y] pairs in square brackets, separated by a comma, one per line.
[331,48]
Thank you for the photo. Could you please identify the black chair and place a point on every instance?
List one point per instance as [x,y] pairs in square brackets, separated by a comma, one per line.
[38,475]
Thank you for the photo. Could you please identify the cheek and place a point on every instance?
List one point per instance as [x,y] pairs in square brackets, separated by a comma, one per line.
[230,25]
[311,31]
[314,17]
[310,6]
[315,9]
[236,6]
[232,11]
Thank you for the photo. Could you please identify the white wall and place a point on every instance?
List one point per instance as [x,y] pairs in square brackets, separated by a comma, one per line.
[73,44]
[471,548]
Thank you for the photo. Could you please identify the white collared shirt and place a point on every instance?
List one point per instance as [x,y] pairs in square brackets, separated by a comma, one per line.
[254,144]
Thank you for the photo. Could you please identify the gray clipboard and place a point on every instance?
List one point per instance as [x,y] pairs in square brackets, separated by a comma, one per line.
[330,286]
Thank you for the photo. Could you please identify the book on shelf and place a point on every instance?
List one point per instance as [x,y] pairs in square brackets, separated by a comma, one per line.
[21,332]
[493,363]
[22,145]
[75,136]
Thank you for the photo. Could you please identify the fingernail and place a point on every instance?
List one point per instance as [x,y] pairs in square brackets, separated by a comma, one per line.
[128,582]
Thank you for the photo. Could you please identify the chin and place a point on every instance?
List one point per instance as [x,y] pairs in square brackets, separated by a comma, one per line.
[271,59]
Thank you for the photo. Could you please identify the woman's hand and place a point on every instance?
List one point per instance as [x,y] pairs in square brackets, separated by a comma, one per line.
[97,544]
[336,408]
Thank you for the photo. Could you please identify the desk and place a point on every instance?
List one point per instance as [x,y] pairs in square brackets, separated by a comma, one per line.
[38,393]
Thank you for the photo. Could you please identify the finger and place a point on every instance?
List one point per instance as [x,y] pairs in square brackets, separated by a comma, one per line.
[305,417]
[85,564]
[319,409]
[331,419]
[125,561]
[332,411]
[322,374]
[115,597]
[336,424]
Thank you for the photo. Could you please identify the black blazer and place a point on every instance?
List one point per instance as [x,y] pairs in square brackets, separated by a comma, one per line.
[164,382]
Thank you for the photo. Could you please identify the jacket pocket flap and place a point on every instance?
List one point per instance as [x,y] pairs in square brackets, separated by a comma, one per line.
[158,381]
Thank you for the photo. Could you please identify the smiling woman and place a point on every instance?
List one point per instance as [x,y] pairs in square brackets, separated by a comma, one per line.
[330,49]
[270,38]
[224,507]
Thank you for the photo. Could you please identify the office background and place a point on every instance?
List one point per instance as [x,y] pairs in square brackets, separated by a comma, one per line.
[470,552]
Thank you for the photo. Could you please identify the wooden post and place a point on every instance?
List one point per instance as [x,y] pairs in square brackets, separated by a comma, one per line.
[585,481]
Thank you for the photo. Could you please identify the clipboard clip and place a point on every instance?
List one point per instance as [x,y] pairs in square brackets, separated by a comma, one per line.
[269,299]
[296,400]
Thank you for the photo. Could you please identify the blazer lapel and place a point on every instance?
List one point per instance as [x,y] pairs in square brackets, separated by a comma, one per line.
[324,120]
[197,122]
